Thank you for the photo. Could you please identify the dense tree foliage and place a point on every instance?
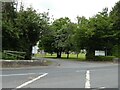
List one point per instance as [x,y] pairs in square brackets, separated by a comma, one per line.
[23,29]
[115,22]
[9,32]
[58,38]
[96,33]
[30,27]
[46,42]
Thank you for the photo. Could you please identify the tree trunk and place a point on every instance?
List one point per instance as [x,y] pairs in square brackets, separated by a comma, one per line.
[51,54]
[28,55]
[77,55]
[90,55]
[67,55]
[59,54]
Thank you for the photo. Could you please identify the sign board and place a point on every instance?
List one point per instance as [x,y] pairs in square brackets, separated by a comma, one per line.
[35,49]
[99,53]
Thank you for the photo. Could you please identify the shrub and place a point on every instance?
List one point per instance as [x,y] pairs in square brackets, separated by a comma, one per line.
[116,51]
[104,58]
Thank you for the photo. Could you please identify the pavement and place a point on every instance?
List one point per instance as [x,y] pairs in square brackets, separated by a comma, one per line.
[62,74]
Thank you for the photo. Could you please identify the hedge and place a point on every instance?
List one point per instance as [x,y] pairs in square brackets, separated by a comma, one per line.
[104,58]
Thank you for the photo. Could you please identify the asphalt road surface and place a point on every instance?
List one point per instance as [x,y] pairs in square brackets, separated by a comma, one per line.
[63,74]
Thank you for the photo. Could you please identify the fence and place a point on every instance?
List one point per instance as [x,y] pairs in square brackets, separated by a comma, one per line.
[16,54]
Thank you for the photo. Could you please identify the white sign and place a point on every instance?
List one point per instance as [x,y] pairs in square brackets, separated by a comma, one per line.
[99,53]
[35,49]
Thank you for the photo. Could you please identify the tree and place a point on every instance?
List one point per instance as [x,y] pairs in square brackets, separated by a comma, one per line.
[102,33]
[94,34]
[60,37]
[22,29]
[115,23]
[82,35]
[47,40]
[31,26]
[69,43]
[9,31]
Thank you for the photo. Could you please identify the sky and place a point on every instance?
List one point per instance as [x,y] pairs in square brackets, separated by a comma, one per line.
[70,8]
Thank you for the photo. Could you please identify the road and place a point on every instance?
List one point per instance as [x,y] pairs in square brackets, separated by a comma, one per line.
[63,74]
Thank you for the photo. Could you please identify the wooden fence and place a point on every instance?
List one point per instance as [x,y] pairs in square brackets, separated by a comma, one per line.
[16,54]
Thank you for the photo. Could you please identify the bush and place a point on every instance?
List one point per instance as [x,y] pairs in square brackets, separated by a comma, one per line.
[116,51]
[104,58]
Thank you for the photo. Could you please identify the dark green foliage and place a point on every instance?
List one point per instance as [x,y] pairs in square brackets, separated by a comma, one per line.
[104,58]
[61,35]
[115,21]
[116,50]
[47,43]
[96,33]
[9,32]
[22,30]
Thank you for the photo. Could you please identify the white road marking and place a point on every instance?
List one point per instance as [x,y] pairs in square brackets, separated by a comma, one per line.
[80,70]
[26,83]
[77,70]
[102,87]
[87,83]
[20,74]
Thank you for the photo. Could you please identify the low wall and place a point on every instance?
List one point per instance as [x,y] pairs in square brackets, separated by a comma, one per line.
[21,63]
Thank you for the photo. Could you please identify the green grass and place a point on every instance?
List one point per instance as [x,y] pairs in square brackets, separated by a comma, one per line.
[81,56]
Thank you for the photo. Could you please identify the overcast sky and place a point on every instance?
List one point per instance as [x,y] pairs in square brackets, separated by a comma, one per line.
[70,8]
